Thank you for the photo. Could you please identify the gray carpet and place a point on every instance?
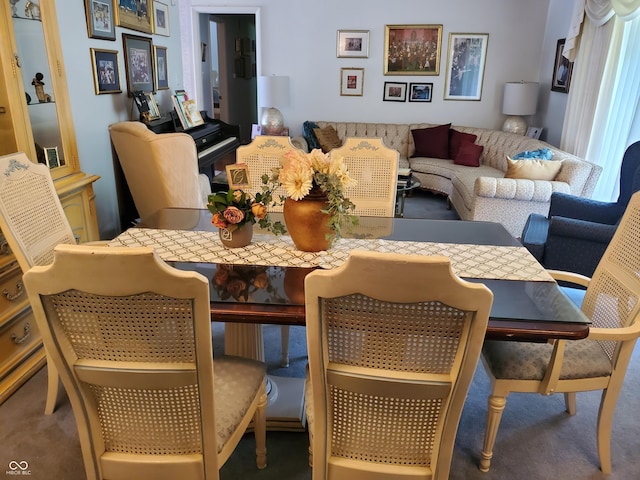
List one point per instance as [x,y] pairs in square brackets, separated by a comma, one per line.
[537,439]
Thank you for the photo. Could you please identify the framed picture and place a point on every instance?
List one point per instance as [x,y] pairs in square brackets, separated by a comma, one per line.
[465,66]
[154,110]
[161,19]
[412,49]
[161,70]
[138,63]
[534,132]
[562,69]
[100,19]
[106,72]
[394,92]
[238,176]
[351,81]
[353,44]
[52,158]
[136,15]
[420,92]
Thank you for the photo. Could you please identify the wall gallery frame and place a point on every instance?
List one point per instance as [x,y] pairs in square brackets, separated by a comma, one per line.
[562,69]
[465,66]
[135,15]
[420,92]
[353,44]
[412,49]
[394,92]
[106,71]
[162,68]
[138,63]
[161,19]
[351,82]
[100,19]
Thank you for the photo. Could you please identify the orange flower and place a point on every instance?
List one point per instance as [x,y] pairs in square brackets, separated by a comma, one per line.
[259,210]
[218,220]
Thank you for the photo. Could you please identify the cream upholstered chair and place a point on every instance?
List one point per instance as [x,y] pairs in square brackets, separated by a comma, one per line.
[33,222]
[261,156]
[390,363]
[131,337]
[598,362]
[161,169]
[375,168]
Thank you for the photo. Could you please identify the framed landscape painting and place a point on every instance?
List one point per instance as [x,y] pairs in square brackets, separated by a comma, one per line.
[412,49]
[420,92]
[465,66]
[138,63]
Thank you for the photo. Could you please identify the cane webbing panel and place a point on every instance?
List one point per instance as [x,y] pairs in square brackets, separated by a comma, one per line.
[422,337]
[138,328]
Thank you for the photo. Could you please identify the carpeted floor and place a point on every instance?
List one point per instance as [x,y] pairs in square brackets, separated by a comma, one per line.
[537,439]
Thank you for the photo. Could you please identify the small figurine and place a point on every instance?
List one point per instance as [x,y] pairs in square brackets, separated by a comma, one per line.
[32,10]
[14,9]
[39,84]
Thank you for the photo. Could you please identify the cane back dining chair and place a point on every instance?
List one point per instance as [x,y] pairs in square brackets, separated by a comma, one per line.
[131,337]
[161,169]
[33,223]
[390,363]
[598,362]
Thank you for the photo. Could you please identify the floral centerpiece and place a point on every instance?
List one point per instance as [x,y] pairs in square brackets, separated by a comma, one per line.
[242,282]
[315,174]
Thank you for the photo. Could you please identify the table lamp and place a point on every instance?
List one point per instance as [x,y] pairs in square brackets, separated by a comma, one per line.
[273,90]
[520,98]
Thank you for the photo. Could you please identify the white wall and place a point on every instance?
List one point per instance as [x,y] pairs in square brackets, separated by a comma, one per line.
[298,38]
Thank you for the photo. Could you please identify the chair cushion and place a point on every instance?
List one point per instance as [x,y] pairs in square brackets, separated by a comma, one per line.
[309,136]
[456,139]
[432,142]
[528,361]
[532,169]
[468,154]
[236,383]
[327,138]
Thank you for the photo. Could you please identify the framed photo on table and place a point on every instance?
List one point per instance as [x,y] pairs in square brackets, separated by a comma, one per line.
[562,70]
[138,63]
[100,19]
[161,70]
[106,72]
[465,66]
[136,15]
[412,49]
[351,81]
[420,92]
[394,92]
[353,44]
[161,19]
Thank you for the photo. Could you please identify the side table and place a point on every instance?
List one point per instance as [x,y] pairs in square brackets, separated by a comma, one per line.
[403,188]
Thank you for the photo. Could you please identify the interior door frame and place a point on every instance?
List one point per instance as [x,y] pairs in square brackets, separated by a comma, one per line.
[190,40]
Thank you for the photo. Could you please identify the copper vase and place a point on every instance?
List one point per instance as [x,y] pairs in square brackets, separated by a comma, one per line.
[307,224]
[240,237]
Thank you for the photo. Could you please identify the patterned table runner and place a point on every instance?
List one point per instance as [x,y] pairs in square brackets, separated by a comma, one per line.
[470,261]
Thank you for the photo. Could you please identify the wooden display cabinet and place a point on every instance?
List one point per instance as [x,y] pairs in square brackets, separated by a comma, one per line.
[35,116]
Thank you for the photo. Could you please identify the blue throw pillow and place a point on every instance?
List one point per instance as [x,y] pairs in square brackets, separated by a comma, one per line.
[542,154]
[309,135]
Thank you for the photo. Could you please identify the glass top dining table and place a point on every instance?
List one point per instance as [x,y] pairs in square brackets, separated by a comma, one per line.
[266,294]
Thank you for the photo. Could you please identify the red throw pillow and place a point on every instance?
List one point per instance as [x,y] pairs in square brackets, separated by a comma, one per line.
[432,142]
[469,155]
[456,139]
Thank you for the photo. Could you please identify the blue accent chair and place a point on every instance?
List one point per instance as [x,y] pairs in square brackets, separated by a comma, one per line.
[578,230]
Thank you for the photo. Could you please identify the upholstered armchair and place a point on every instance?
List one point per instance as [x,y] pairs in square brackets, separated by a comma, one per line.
[578,230]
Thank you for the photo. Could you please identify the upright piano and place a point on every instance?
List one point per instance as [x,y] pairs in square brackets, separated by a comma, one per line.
[216,143]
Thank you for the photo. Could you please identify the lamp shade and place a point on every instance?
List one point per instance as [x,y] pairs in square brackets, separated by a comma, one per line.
[520,98]
[273,91]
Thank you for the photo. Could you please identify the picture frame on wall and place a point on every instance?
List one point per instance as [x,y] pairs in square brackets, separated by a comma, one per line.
[161,67]
[161,19]
[420,92]
[106,71]
[395,92]
[138,63]
[353,44]
[412,49]
[562,70]
[135,15]
[100,19]
[351,82]
[466,60]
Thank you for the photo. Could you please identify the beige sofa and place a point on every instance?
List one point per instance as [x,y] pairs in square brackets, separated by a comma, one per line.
[481,193]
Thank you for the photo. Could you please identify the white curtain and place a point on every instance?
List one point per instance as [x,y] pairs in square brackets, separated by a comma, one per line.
[604,89]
